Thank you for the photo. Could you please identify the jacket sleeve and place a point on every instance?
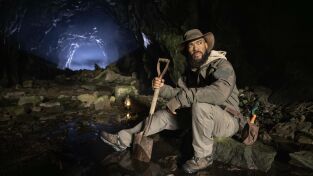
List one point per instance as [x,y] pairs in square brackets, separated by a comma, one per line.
[215,93]
[168,92]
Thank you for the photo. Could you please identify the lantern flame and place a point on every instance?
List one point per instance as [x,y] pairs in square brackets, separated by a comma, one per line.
[127,102]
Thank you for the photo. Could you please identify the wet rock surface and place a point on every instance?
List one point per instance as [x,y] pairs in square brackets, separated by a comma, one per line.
[51,128]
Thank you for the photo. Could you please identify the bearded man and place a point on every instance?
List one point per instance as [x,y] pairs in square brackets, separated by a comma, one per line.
[206,89]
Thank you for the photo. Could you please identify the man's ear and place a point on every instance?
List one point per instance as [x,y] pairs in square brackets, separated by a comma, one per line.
[206,45]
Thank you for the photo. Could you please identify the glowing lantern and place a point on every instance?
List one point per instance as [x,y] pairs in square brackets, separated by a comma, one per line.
[127,102]
[128,116]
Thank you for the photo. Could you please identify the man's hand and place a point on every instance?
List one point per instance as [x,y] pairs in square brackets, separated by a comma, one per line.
[157,83]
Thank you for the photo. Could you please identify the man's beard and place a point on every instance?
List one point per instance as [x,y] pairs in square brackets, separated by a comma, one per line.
[196,63]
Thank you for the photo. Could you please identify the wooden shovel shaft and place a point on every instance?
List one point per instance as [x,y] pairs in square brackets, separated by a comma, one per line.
[143,145]
[156,94]
[151,112]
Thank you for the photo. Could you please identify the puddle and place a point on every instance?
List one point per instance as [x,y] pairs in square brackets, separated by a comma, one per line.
[71,146]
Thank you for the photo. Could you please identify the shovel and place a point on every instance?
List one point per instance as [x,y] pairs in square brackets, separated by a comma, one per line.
[142,144]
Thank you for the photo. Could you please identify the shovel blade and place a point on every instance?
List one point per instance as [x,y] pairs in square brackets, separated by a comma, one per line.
[142,147]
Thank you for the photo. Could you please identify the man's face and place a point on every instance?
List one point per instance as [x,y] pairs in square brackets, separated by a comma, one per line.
[197,48]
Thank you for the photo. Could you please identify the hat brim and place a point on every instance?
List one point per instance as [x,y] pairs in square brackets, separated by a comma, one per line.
[208,37]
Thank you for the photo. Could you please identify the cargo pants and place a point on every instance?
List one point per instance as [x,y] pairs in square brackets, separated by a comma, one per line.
[208,121]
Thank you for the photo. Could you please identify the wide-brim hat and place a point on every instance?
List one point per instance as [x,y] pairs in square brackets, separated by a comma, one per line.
[195,34]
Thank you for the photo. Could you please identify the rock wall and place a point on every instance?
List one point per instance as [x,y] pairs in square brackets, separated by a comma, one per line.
[267,42]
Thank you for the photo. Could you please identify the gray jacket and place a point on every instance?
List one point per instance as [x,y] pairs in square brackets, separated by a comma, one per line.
[214,83]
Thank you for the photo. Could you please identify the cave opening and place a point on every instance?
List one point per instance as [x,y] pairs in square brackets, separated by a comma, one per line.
[75,36]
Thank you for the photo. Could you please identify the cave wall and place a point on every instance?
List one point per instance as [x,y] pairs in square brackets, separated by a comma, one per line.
[267,42]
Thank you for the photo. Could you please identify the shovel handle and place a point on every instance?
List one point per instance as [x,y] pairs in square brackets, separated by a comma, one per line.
[160,75]
[155,94]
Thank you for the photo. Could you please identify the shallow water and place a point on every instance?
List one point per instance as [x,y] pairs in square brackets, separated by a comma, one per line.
[83,153]
[71,146]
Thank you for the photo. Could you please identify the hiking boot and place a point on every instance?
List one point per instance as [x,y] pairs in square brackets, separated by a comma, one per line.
[113,140]
[196,164]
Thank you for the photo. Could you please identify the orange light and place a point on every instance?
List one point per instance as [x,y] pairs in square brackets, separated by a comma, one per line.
[252,120]
[127,102]
[128,116]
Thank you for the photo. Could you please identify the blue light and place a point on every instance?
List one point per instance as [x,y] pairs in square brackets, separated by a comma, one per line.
[86,56]
[146,41]
[82,51]
[76,38]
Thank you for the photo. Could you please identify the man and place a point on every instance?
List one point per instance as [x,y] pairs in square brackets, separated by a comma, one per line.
[207,87]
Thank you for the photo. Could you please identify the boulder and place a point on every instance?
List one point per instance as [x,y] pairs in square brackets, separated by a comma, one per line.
[111,76]
[49,104]
[305,139]
[112,99]
[28,84]
[257,156]
[102,102]
[302,159]
[122,91]
[30,100]
[15,110]
[45,118]
[63,96]
[89,87]
[14,95]
[286,130]
[87,99]
[11,112]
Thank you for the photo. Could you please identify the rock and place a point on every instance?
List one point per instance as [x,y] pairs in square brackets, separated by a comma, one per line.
[263,94]
[265,137]
[74,98]
[63,96]
[121,91]
[4,118]
[305,140]
[285,130]
[284,145]
[169,163]
[14,95]
[87,99]
[302,159]
[30,100]
[49,105]
[304,126]
[45,118]
[36,109]
[28,84]
[14,110]
[112,99]
[257,156]
[89,87]
[102,102]
[111,76]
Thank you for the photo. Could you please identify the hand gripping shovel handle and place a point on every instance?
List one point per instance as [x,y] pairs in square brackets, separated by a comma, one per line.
[156,93]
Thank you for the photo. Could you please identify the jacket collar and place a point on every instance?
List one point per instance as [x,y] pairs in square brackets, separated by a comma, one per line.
[214,55]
